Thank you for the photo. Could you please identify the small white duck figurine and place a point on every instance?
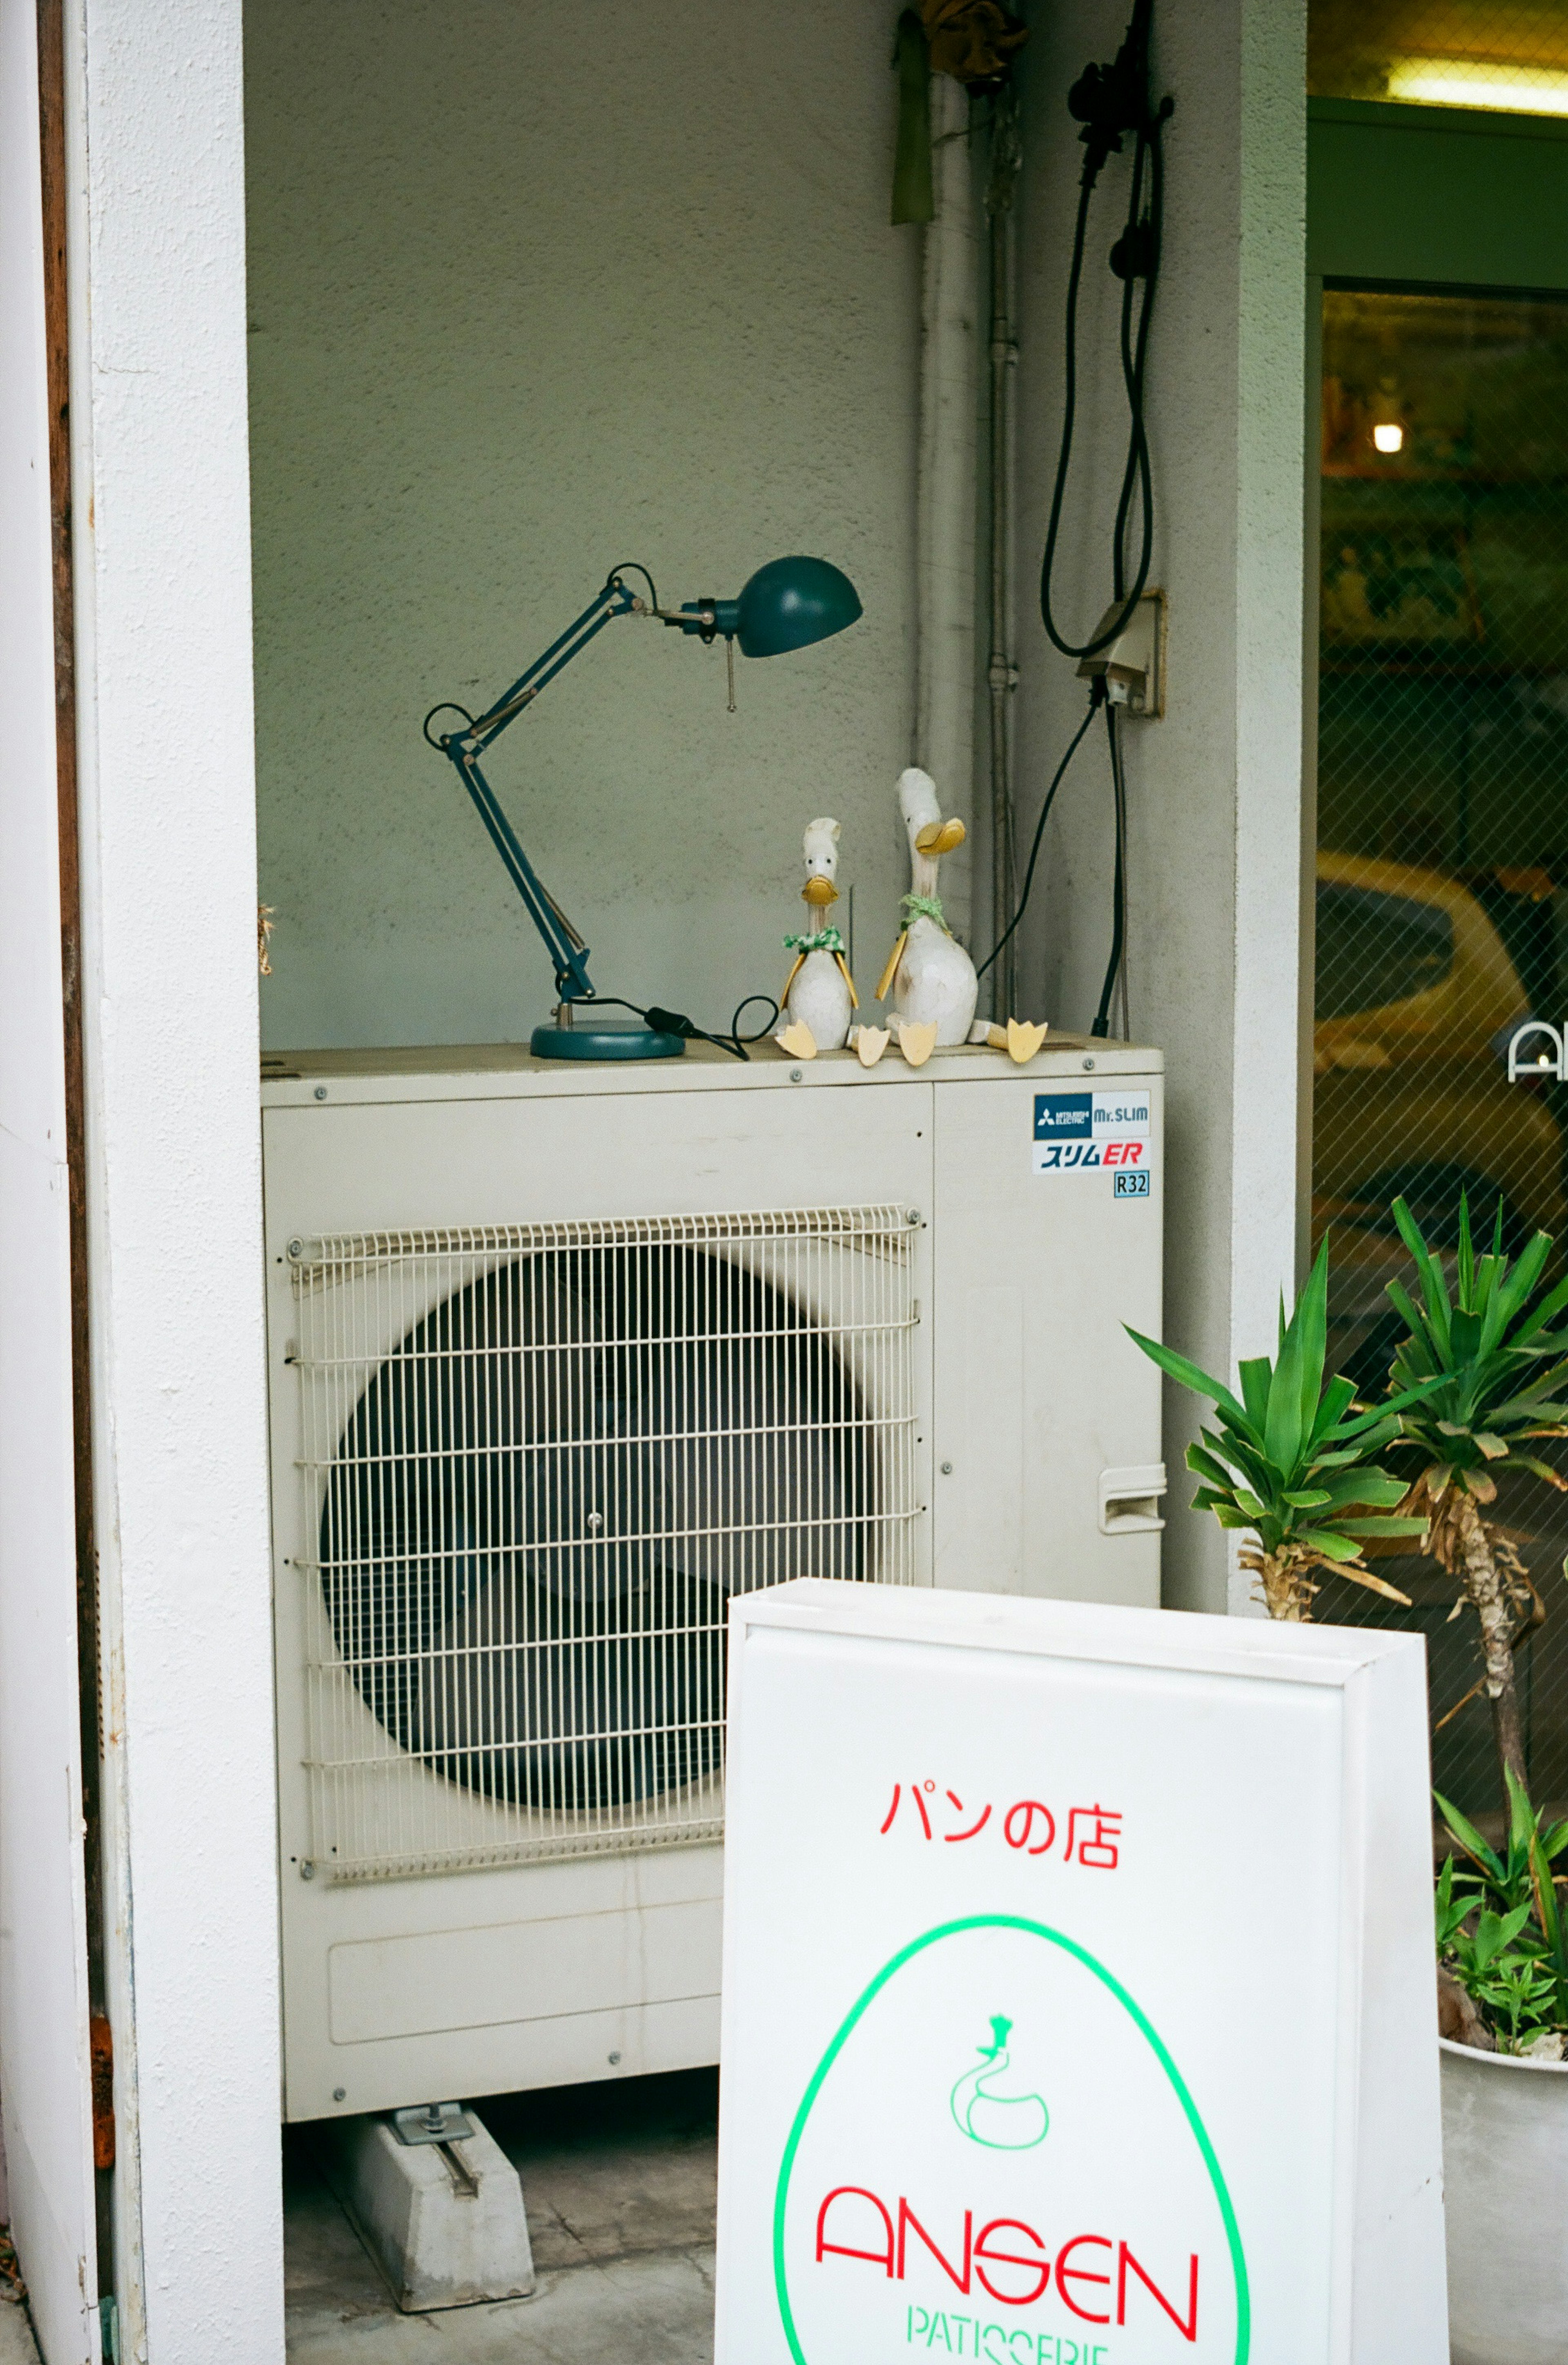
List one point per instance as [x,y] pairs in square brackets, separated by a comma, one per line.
[932,977]
[819,992]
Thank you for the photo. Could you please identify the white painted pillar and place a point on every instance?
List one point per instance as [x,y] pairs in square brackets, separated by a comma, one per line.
[1214,788]
[168,819]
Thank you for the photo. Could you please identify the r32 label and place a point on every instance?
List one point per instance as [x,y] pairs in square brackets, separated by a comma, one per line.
[1134,1185]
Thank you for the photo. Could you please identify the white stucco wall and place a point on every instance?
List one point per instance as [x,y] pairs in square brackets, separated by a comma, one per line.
[535,288]
[1215,788]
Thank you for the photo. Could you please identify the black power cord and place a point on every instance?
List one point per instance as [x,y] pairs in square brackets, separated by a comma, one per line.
[675,1022]
[1113,102]
[1096,699]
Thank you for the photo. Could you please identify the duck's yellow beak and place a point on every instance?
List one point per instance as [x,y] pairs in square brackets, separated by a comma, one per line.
[819,892]
[940,836]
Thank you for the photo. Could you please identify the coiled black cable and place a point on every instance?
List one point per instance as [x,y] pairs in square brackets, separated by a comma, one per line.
[675,1022]
[1111,102]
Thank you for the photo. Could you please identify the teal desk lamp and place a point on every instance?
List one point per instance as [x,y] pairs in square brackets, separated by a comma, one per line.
[787,604]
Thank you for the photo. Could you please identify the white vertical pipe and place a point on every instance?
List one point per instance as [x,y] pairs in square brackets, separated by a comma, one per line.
[945,499]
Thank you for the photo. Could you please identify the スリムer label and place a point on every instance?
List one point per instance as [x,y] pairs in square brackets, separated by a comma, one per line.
[1103,1130]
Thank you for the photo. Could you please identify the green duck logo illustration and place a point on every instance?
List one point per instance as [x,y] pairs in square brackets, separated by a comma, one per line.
[1000,2122]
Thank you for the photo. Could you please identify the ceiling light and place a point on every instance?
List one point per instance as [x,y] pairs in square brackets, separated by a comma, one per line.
[1389,437]
[1459,82]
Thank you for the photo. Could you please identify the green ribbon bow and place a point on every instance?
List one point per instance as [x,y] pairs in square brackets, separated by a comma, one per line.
[924,907]
[826,940]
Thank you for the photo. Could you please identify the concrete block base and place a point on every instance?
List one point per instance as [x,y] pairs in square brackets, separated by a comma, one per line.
[444,2222]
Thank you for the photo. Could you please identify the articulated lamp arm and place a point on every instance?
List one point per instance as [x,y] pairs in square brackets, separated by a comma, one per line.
[568,952]
[787,604]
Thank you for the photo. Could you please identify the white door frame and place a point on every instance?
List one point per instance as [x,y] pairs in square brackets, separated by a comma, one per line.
[155,176]
[44,2073]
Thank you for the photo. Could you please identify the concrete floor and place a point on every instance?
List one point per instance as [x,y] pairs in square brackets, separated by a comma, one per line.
[619,2181]
[17,2347]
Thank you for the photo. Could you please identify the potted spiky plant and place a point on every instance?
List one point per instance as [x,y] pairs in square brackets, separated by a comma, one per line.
[1503,2015]
[1486,1370]
[1289,1461]
[1481,1376]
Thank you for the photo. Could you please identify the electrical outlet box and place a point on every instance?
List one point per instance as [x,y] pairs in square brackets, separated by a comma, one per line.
[1133,664]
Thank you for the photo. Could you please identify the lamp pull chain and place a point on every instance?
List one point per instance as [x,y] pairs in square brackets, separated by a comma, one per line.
[730,667]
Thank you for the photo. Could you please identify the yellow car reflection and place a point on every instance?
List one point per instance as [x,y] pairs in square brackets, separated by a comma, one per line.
[1415,991]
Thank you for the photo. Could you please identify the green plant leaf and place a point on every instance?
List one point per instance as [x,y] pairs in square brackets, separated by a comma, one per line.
[1176,1367]
[1494,1932]
[1310,1320]
[1515,1292]
[1337,1398]
[1255,1374]
[1469,1838]
[1466,1252]
[1283,1428]
[1537,1469]
[1429,1274]
[1205,1465]
[1371,1487]
[1549,1307]
[1329,1541]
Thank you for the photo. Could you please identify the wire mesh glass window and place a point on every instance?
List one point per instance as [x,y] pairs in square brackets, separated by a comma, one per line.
[1510,55]
[537,1463]
[1442,872]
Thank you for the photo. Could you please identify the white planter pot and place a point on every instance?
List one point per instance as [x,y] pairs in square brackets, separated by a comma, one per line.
[1505,2193]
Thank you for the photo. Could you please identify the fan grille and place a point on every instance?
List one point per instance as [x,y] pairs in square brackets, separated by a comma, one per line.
[538,1461]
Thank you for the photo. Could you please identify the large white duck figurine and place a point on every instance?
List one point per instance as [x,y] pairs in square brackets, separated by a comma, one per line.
[932,977]
[819,992]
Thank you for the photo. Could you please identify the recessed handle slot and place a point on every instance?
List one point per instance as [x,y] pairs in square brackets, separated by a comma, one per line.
[1129,1500]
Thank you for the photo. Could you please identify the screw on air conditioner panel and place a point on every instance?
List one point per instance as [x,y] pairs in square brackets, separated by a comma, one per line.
[1088,1063]
[915,1215]
[596,1520]
[795,1074]
[320,1092]
[613,2059]
[296,1250]
[946,1470]
[339,2093]
[307,1870]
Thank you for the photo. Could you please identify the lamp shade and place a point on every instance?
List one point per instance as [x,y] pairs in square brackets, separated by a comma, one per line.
[791,602]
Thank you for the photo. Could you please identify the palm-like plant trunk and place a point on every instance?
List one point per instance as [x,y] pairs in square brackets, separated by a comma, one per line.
[1477,1569]
[1284,1580]
[1460,1541]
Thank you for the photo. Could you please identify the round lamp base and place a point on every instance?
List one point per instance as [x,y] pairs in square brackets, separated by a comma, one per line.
[606,1039]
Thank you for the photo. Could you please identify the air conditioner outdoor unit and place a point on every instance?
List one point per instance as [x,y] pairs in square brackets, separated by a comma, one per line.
[560,1358]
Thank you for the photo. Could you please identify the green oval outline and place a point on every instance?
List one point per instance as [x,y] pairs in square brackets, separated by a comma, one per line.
[1139,2019]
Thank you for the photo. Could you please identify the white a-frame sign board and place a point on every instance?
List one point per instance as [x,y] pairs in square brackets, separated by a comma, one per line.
[1078,1993]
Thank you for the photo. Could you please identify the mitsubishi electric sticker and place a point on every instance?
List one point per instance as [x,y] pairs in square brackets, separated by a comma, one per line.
[1108,1132]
